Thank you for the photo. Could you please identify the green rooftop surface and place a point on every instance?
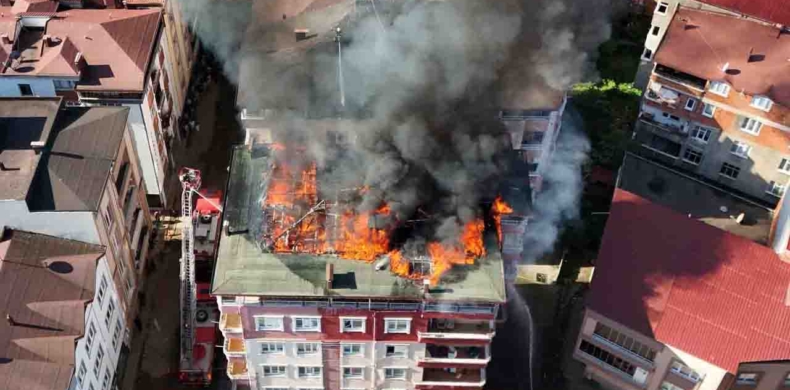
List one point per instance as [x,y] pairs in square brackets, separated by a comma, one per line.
[242,268]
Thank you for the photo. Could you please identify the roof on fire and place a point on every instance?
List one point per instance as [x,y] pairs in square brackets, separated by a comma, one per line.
[243,269]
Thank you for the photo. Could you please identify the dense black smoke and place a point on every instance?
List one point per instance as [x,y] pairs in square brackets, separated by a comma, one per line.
[413,88]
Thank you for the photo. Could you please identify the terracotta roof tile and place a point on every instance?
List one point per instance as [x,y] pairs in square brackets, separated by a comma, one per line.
[710,293]
[776,11]
[757,55]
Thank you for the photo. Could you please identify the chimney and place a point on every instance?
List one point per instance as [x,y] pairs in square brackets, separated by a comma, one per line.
[78,59]
[7,39]
[330,275]
[301,34]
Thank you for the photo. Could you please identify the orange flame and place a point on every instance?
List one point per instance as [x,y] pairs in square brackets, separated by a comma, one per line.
[498,209]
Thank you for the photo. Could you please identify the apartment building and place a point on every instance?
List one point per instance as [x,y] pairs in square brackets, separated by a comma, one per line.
[302,320]
[111,57]
[682,299]
[62,327]
[762,375]
[71,172]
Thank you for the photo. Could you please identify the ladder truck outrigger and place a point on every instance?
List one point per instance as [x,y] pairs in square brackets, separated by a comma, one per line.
[198,311]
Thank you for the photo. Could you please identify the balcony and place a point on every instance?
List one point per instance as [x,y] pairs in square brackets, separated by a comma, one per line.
[450,377]
[230,323]
[679,77]
[444,329]
[234,346]
[237,369]
[649,120]
[440,356]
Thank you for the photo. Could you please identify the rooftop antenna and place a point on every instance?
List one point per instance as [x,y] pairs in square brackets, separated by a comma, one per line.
[338,36]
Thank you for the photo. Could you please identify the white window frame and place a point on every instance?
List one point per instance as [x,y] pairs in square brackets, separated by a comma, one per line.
[90,335]
[701,129]
[271,348]
[756,100]
[776,189]
[361,372]
[311,373]
[746,378]
[784,165]
[693,104]
[705,107]
[116,334]
[297,329]
[81,373]
[647,54]
[262,319]
[316,349]
[750,125]
[361,351]
[392,378]
[98,362]
[102,290]
[735,169]
[741,148]
[279,374]
[693,150]
[105,382]
[658,7]
[719,88]
[396,354]
[388,321]
[110,312]
[360,329]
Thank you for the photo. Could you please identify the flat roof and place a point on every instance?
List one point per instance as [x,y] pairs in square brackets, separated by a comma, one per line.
[242,268]
[22,121]
[695,198]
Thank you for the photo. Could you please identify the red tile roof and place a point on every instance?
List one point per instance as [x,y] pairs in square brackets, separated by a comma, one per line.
[710,293]
[701,43]
[116,45]
[776,11]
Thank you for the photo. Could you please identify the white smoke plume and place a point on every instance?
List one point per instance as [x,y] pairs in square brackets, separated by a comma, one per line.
[423,81]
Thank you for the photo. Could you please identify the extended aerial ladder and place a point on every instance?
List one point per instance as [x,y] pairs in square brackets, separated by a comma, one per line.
[190,183]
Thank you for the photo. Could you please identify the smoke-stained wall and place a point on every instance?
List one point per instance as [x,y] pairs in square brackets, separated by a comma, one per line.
[418,85]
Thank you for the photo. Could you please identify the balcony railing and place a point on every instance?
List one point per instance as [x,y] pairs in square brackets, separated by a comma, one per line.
[621,349]
[457,329]
[453,377]
[237,369]
[457,355]
[234,346]
[649,119]
[230,322]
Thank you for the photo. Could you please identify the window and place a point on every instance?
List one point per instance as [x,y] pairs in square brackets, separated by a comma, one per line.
[81,373]
[669,386]
[395,373]
[105,382]
[701,134]
[684,371]
[607,358]
[397,325]
[662,8]
[90,387]
[708,110]
[762,103]
[691,103]
[397,350]
[740,149]
[624,341]
[272,348]
[692,156]
[102,290]
[775,189]
[25,90]
[787,380]
[784,166]
[97,362]
[307,348]
[64,84]
[746,378]
[729,170]
[307,324]
[350,324]
[89,337]
[352,349]
[719,88]
[647,54]
[751,126]
[309,372]
[110,312]
[352,372]
[116,334]
[269,323]
[655,30]
[273,371]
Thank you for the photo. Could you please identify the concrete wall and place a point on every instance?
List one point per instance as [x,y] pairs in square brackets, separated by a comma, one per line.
[109,332]
[41,86]
[770,375]
[76,225]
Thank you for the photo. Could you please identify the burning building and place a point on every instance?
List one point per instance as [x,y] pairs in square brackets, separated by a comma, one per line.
[316,292]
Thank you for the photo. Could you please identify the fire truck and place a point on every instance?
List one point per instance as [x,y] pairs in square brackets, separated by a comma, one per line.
[199,312]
